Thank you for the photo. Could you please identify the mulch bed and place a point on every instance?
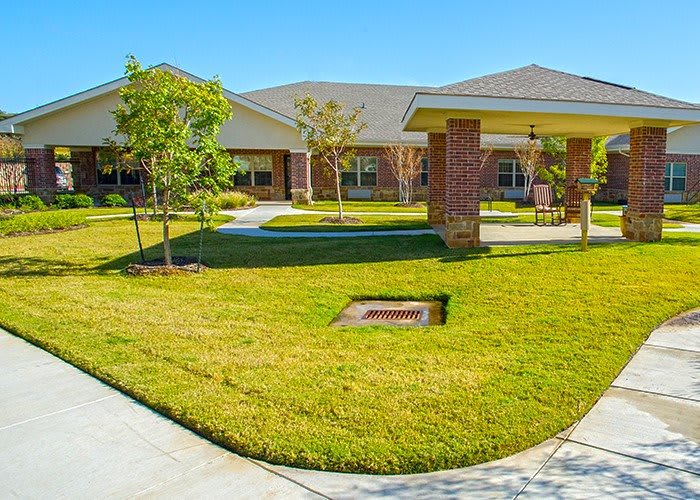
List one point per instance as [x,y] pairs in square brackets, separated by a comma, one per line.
[150,217]
[409,205]
[344,220]
[157,267]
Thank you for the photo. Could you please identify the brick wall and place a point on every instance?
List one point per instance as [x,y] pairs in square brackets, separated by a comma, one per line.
[462,176]
[692,182]
[41,174]
[646,170]
[437,144]
[274,192]
[387,188]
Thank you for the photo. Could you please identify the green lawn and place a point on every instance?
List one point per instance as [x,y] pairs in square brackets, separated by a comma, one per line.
[297,223]
[684,213]
[360,206]
[243,352]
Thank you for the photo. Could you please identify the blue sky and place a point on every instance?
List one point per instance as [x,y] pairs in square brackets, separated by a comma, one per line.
[53,49]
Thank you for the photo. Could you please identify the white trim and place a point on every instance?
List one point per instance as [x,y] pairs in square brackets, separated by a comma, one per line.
[299,151]
[100,90]
[478,103]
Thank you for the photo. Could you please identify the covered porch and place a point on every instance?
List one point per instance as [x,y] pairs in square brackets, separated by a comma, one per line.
[557,104]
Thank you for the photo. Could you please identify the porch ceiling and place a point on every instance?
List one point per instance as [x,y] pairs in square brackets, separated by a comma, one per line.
[428,113]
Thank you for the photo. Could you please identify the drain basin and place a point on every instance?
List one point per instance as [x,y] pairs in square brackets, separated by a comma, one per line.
[390,312]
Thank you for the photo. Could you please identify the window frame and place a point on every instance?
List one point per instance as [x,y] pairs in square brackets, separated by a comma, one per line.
[424,171]
[135,167]
[514,173]
[357,171]
[671,177]
[252,170]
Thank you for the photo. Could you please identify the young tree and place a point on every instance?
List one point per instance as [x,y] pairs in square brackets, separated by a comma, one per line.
[330,135]
[530,157]
[170,125]
[405,163]
[599,160]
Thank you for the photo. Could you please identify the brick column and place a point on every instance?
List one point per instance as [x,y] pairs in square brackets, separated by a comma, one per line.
[41,173]
[84,169]
[644,218]
[436,178]
[299,165]
[462,182]
[578,164]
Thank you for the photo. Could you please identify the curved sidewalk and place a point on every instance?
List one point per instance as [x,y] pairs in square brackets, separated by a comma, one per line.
[247,223]
[64,433]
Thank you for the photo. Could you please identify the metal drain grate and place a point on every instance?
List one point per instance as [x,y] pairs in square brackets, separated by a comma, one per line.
[392,315]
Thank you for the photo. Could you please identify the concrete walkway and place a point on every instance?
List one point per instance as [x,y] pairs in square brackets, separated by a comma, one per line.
[65,434]
[247,223]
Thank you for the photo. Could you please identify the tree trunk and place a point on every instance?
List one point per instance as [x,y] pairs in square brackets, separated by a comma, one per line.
[310,189]
[337,190]
[167,254]
[155,198]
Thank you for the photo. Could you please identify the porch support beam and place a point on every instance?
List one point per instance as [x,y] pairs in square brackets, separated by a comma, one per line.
[436,178]
[41,172]
[462,182]
[644,218]
[300,177]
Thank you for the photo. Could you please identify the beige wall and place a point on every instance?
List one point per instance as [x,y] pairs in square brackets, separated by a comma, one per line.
[88,123]
[685,140]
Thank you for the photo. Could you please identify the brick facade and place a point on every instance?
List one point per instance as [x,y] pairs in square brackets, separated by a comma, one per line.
[386,189]
[615,189]
[646,184]
[84,169]
[41,173]
[277,190]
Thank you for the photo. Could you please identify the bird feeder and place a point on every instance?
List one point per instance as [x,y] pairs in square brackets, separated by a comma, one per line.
[587,187]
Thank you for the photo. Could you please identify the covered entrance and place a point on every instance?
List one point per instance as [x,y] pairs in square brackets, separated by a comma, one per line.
[557,104]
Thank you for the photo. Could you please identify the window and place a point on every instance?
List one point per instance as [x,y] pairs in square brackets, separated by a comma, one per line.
[509,174]
[424,171]
[362,172]
[116,177]
[674,177]
[253,170]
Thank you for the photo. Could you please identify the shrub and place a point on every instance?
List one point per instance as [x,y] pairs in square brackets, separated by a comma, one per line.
[63,201]
[30,202]
[39,221]
[8,200]
[114,200]
[234,199]
[83,201]
[72,201]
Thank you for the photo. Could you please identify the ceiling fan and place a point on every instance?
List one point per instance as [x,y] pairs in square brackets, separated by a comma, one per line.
[532,136]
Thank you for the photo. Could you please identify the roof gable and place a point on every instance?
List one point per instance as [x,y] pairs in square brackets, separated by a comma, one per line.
[13,124]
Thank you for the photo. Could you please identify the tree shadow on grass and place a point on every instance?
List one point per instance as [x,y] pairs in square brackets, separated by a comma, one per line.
[241,252]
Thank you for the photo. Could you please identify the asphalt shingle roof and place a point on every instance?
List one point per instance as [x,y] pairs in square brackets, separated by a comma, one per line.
[536,82]
[384,106]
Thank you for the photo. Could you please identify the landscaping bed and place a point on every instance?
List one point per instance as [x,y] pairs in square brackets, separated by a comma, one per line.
[244,353]
[362,206]
[320,223]
[39,222]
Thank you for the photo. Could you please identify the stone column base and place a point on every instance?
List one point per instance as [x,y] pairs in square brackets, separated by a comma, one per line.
[462,231]
[436,214]
[301,197]
[642,227]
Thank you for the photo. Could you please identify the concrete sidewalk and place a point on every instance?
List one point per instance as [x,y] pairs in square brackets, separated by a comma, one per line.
[65,434]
